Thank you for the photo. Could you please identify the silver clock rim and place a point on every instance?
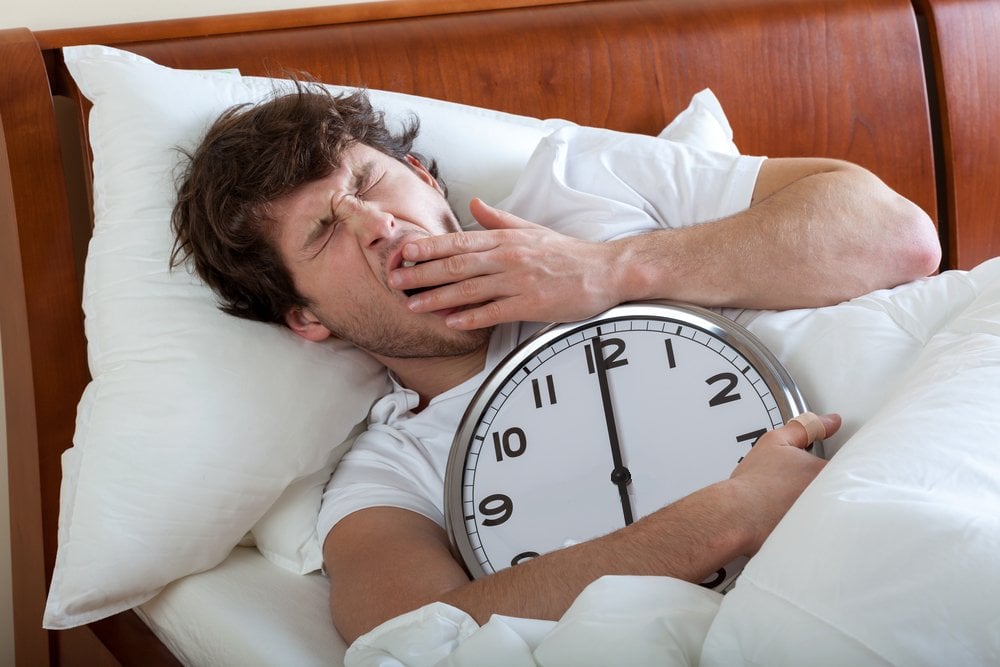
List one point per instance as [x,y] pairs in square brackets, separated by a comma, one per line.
[779,382]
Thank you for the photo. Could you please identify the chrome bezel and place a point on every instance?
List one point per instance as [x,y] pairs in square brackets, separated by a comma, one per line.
[787,395]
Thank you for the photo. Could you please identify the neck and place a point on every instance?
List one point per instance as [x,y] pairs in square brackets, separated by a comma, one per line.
[431,376]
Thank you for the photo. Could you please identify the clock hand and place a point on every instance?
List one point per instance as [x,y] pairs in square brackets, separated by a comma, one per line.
[620,475]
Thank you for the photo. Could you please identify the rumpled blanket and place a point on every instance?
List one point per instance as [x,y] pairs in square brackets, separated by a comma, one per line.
[890,557]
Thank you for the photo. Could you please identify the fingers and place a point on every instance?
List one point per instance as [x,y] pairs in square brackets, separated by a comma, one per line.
[455,281]
[448,245]
[494,218]
[456,243]
[468,269]
[446,259]
[488,314]
[815,429]
[807,428]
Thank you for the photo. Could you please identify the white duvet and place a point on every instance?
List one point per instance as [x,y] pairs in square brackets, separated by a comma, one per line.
[890,557]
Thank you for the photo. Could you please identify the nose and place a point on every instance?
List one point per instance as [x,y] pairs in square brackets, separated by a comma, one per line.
[369,223]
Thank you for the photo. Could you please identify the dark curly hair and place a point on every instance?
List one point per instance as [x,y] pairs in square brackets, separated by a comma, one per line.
[251,156]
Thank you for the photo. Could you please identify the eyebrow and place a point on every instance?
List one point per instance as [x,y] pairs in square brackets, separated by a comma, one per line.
[358,177]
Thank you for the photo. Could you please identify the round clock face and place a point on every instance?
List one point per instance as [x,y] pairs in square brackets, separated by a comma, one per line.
[586,427]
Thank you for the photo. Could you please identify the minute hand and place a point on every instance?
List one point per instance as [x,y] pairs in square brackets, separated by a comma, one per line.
[620,475]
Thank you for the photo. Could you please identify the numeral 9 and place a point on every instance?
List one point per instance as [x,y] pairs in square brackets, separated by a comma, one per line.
[496,506]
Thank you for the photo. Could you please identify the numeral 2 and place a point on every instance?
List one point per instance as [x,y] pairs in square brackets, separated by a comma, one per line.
[727,394]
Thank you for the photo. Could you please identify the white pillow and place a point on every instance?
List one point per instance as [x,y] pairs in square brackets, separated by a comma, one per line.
[199,427]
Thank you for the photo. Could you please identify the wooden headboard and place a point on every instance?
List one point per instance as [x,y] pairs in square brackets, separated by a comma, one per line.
[836,78]
[965,66]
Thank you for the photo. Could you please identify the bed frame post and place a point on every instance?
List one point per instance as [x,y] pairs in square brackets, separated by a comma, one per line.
[39,294]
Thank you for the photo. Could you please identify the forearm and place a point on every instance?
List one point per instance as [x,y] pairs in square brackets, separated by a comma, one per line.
[821,239]
[817,232]
[385,561]
[688,540]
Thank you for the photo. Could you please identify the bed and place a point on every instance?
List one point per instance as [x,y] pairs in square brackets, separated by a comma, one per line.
[901,88]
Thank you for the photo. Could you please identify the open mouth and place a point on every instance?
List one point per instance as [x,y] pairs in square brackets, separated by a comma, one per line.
[415,290]
[418,290]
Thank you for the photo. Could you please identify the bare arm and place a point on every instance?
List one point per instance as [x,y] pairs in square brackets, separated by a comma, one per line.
[817,232]
[384,561]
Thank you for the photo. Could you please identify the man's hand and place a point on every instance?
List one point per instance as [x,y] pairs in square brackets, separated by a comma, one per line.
[514,271]
[773,475]
[817,232]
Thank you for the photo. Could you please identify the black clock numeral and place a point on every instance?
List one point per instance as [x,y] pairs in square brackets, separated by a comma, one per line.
[523,556]
[497,507]
[752,436]
[611,359]
[536,387]
[727,394]
[513,443]
[671,362]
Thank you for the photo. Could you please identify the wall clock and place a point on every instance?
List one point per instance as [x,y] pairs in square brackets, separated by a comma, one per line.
[587,426]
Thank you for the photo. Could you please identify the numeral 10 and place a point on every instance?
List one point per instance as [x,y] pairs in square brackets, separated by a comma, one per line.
[512,444]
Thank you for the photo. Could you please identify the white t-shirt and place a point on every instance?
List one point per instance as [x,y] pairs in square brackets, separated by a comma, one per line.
[584,182]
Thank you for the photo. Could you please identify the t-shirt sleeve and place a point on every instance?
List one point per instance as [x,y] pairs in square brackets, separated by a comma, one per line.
[381,470]
[602,184]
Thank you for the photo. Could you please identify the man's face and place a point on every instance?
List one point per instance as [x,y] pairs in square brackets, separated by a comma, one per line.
[341,236]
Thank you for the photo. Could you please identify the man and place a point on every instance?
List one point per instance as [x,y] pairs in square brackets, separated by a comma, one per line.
[306,211]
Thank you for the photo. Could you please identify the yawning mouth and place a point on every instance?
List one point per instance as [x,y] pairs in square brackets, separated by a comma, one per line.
[415,290]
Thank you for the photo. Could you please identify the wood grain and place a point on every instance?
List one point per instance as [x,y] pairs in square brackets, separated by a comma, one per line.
[965,41]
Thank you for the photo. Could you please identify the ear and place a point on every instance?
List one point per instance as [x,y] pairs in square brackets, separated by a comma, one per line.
[303,322]
[422,173]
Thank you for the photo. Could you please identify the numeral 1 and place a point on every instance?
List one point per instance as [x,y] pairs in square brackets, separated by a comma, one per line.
[671,362]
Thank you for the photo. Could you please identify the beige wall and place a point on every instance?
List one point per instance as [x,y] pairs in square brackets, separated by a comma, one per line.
[52,14]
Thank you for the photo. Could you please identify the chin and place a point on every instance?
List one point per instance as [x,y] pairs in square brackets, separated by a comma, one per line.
[420,343]
[452,343]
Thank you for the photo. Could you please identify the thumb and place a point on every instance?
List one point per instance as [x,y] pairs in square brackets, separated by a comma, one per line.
[494,218]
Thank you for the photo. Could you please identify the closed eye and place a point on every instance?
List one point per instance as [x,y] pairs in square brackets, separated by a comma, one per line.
[320,229]
[370,178]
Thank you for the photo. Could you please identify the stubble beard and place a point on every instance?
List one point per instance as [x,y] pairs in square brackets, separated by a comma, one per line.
[375,332]
[382,336]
